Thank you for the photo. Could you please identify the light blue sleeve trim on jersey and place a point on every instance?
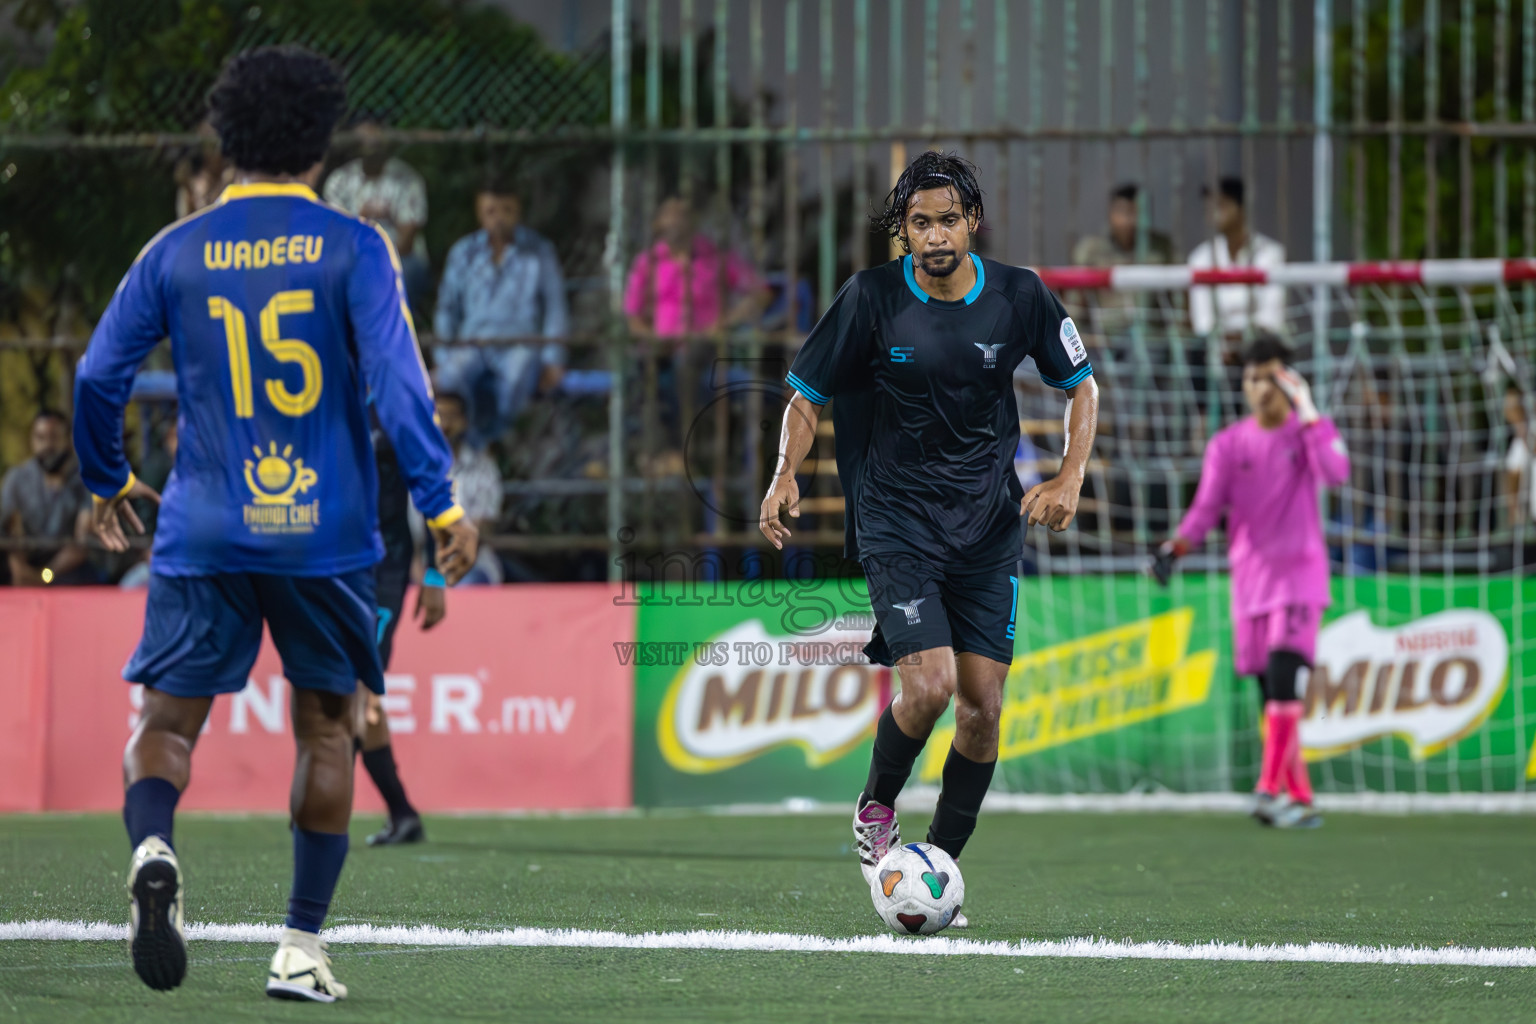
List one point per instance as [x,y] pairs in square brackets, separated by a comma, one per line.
[1072,381]
[806,390]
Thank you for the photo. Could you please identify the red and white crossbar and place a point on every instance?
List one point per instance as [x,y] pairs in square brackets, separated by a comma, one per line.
[1173,278]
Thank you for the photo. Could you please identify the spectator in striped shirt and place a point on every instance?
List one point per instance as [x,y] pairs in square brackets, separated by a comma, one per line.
[388,190]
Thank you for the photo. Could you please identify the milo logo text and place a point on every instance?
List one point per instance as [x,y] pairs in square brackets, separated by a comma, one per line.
[821,697]
[1430,681]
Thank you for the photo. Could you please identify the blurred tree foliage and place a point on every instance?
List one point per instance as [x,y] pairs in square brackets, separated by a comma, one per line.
[73,217]
[139,66]
[1417,42]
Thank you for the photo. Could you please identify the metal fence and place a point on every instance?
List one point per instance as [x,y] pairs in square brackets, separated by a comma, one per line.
[1392,129]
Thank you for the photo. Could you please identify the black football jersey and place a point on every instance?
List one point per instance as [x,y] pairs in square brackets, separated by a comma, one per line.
[394,509]
[925,415]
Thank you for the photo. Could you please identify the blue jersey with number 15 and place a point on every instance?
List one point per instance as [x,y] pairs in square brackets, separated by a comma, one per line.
[284,315]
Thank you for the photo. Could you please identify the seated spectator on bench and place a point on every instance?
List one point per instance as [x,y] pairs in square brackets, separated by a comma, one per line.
[674,287]
[503,281]
[476,483]
[43,499]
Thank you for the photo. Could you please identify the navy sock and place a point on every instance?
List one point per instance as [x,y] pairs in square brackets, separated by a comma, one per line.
[149,809]
[954,819]
[892,760]
[317,860]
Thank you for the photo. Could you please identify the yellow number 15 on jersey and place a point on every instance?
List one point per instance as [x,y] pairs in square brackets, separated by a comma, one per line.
[287,350]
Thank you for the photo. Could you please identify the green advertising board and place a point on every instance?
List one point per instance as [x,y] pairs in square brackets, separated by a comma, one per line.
[753,693]
[1429,685]
[757,692]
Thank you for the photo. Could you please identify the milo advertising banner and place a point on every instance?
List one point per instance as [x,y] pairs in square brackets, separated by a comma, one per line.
[1116,685]
[758,692]
[754,692]
[1425,685]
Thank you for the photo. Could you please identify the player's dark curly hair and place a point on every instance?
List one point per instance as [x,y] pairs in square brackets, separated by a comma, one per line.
[1265,347]
[930,170]
[275,107]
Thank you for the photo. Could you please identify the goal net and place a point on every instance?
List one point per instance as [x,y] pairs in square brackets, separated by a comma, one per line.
[1421,678]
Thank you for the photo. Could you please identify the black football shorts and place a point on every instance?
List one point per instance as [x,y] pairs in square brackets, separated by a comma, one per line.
[919,606]
[391,581]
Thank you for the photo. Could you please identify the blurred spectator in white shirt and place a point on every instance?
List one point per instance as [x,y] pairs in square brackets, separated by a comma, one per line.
[388,190]
[1235,309]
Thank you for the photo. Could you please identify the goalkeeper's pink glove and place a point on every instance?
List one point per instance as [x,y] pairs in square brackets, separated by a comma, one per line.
[1295,388]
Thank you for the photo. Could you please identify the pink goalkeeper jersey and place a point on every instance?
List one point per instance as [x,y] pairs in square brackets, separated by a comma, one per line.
[1267,482]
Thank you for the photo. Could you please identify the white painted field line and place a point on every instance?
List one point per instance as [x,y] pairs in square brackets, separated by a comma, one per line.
[777,942]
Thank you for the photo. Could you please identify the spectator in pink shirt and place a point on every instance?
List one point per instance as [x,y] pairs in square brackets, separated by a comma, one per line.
[675,287]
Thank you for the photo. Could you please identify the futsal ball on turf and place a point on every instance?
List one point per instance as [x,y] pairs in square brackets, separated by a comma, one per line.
[917,889]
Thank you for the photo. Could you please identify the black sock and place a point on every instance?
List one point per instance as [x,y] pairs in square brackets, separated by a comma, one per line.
[891,763]
[381,769]
[1285,675]
[954,819]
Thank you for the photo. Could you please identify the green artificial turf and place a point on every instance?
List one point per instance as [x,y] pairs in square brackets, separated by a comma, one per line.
[1360,880]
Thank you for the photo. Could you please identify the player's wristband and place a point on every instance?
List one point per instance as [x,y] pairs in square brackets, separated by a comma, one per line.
[448,518]
[98,499]
[433,578]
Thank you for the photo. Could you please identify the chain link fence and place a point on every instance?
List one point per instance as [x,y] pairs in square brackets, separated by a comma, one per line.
[1366,129]
[113,72]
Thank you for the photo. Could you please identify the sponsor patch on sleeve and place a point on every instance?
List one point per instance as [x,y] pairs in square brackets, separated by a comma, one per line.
[1073,343]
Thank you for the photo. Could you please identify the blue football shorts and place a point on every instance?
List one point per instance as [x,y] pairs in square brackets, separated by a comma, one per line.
[202,633]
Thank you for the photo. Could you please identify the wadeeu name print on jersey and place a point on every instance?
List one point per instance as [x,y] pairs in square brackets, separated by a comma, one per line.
[264,252]
[286,317]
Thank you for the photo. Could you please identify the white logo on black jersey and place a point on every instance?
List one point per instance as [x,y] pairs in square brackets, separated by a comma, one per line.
[1073,343]
[910,608]
[988,354]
